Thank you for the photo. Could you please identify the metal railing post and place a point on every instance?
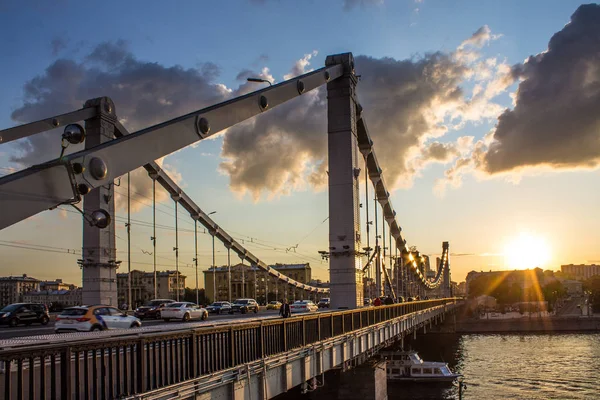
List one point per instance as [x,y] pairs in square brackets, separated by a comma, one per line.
[193,354]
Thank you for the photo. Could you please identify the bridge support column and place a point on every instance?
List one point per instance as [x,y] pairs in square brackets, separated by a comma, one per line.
[366,382]
[344,204]
[99,262]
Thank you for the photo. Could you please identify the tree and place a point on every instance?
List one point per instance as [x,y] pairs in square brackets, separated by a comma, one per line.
[593,285]
[190,295]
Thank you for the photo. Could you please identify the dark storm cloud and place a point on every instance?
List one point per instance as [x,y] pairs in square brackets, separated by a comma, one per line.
[286,148]
[407,103]
[145,93]
[556,118]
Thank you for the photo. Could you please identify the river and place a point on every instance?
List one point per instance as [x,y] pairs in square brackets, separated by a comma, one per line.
[524,367]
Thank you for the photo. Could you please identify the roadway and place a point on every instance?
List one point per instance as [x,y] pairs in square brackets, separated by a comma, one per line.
[37,329]
[571,308]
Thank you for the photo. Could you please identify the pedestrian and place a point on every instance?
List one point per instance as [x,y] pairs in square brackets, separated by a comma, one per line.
[377,302]
[285,311]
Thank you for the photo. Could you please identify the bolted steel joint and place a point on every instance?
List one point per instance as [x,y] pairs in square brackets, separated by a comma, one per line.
[74,134]
[83,189]
[263,103]
[100,219]
[202,126]
[98,168]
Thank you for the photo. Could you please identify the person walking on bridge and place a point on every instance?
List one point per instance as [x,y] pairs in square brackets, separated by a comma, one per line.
[285,311]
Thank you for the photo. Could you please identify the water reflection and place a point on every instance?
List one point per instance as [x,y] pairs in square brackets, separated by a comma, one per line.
[533,367]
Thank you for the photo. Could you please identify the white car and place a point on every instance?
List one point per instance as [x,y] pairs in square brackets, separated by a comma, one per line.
[303,306]
[94,318]
[184,311]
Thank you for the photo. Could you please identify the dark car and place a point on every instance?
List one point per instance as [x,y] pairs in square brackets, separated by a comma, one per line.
[400,299]
[219,307]
[152,308]
[324,302]
[244,306]
[24,313]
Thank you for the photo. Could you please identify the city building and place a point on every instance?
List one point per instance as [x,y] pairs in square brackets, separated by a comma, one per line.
[573,288]
[56,284]
[526,278]
[55,299]
[142,286]
[581,271]
[12,288]
[253,282]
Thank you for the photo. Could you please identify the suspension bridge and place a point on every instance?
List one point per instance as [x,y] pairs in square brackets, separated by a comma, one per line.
[261,357]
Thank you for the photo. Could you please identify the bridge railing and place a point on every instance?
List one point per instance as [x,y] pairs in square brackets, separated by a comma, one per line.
[116,367]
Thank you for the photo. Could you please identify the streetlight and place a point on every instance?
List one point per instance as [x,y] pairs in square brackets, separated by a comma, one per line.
[260,80]
[213,261]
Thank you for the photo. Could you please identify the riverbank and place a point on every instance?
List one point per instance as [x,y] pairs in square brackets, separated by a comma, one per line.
[524,325]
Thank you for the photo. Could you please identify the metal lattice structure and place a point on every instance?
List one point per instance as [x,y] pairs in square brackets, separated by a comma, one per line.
[90,173]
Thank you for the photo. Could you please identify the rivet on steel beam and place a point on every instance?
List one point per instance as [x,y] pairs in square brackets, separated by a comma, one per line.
[98,168]
[100,219]
[82,188]
[202,126]
[300,87]
[263,103]
[78,168]
[327,76]
[74,133]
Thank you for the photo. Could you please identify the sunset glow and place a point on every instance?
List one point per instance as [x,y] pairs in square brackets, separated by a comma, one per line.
[526,251]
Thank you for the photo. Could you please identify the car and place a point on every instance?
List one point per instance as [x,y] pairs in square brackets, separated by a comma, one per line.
[24,313]
[94,318]
[324,303]
[244,306]
[274,305]
[183,310]
[152,308]
[219,307]
[303,306]
[400,299]
[368,302]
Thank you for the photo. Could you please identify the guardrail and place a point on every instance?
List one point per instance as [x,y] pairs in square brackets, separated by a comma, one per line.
[116,367]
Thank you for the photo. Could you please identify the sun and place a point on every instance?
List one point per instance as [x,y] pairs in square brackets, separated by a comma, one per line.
[526,251]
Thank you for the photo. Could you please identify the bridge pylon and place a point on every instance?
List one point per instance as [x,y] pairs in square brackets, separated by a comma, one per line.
[346,278]
[98,260]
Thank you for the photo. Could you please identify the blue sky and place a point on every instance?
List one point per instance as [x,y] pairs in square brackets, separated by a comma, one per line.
[479,217]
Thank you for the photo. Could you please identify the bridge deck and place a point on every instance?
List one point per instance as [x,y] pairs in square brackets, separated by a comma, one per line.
[116,364]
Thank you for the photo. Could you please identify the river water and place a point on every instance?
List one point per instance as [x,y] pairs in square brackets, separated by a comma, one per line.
[524,367]
[539,366]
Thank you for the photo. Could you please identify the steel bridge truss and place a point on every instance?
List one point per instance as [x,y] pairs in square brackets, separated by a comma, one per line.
[67,179]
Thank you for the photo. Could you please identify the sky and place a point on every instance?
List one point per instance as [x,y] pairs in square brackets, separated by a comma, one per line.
[484,117]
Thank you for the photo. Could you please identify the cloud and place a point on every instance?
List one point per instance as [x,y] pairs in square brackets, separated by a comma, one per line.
[299,67]
[481,37]
[145,93]
[350,4]
[57,44]
[554,124]
[407,103]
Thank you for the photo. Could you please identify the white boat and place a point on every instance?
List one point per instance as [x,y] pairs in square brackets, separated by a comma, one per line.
[407,366]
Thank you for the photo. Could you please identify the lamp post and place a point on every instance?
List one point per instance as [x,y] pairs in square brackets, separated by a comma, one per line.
[213,262]
[260,80]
